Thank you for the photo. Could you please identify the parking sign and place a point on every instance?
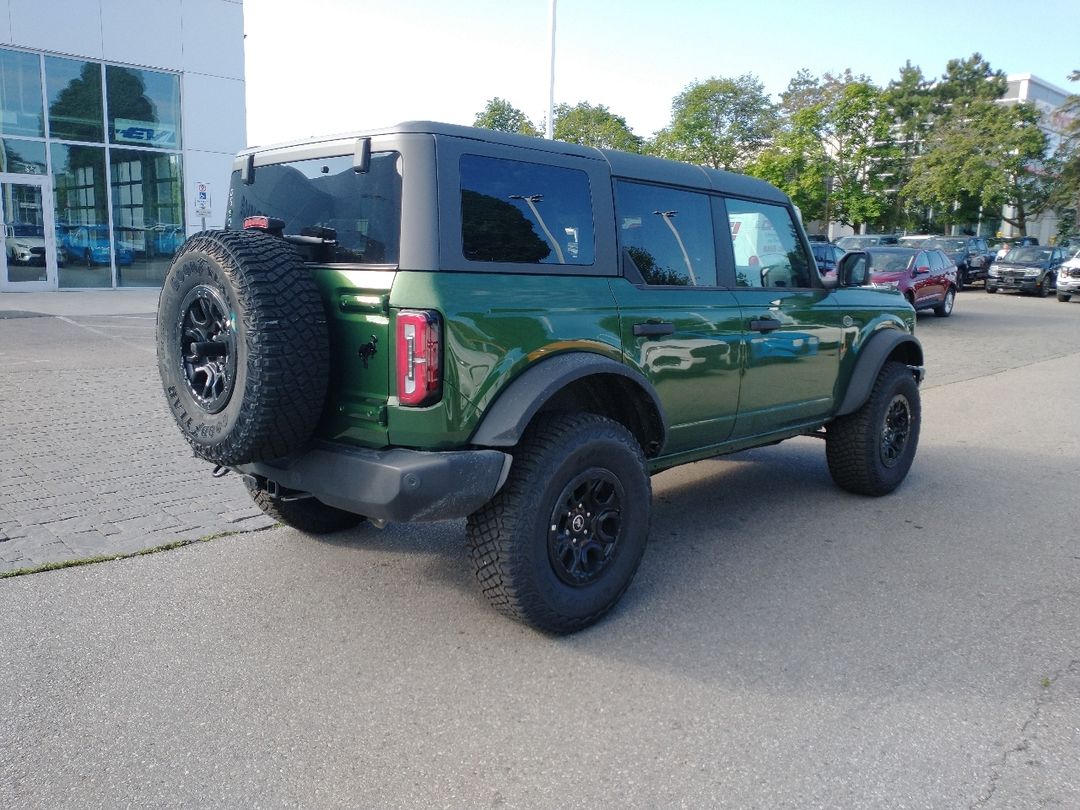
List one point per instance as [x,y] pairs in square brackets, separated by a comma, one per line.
[202,199]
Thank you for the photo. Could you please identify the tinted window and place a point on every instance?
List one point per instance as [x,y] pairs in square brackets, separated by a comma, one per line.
[144,107]
[768,251]
[20,94]
[325,197]
[74,88]
[667,233]
[512,211]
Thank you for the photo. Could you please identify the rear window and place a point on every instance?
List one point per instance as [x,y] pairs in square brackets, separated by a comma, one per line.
[360,214]
[513,211]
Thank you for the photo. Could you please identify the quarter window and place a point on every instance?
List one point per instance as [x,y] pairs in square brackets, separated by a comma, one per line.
[512,211]
[667,234]
[768,250]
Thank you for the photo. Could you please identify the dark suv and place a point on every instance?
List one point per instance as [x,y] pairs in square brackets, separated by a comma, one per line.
[970,254]
[432,321]
[1031,269]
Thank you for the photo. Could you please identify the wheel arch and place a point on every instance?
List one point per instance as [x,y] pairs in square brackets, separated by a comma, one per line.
[575,381]
[880,348]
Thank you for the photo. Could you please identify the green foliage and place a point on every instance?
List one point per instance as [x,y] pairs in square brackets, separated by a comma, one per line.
[594,126]
[797,162]
[501,116]
[720,123]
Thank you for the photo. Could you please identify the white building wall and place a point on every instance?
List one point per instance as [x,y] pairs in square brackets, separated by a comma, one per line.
[201,39]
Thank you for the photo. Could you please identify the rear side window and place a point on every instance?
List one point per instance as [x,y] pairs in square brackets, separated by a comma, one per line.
[324,197]
[766,244]
[513,211]
[667,233]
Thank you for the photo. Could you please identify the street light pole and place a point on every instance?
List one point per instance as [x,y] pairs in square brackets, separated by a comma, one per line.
[550,133]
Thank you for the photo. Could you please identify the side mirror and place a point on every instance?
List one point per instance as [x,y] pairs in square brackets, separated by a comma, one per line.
[921,270]
[853,270]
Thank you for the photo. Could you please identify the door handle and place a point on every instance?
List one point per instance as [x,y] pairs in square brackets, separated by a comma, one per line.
[765,324]
[653,329]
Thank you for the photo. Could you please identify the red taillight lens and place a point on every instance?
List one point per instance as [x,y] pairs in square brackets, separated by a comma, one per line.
[261,223]
[419,357]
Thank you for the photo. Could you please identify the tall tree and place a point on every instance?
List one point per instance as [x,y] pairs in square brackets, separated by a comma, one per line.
[911,103]
[722,123]
[597,126]
[797,163]
[501,116]
[1065,166]
[980,154]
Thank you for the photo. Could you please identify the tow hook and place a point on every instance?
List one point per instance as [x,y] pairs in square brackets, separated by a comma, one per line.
[220,471]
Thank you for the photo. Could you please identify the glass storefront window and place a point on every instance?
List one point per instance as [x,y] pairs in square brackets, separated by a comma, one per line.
[148,214]
[22,157]
[82,218]
[144,107]
[20,94]
[74,88]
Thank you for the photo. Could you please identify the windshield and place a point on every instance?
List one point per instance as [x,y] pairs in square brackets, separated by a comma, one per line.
[948,245]
[889,261]
[852,242]
[359,214]
[1028,255]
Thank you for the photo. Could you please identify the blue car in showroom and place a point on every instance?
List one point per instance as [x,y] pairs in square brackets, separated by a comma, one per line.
[90,244]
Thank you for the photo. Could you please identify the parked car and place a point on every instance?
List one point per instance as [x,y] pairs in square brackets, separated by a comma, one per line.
[1068,276]
[970,254]
[827,255]
[926,277]
[537,328]
[90,244]
[25,244]
[865,240]
[1031,269]
[817,237]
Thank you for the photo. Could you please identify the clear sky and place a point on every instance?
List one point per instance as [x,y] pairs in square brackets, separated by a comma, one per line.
[316,67]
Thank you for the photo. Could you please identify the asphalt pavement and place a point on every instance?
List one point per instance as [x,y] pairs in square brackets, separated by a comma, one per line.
[785,644]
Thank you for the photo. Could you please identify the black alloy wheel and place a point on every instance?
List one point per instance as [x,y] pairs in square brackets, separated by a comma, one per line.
[585,527]
[895,431]
[208,348]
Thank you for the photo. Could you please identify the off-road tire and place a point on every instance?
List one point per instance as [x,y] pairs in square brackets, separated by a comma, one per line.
[1064,297]
[522,542]
[306,515]
[945,308]
[255,389]
[865,450]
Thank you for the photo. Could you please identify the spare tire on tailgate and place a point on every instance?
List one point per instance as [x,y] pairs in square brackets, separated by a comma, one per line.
[242,346]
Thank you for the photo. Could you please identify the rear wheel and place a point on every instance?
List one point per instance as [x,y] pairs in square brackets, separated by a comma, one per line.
[870,451]
[560,543]
[1063,297]
[306,514]
[944,309]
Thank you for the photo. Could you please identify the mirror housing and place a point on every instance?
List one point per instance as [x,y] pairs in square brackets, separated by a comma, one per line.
[362,156]
[853,269]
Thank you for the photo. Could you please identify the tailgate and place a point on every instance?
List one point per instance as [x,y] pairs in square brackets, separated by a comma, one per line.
[357,307]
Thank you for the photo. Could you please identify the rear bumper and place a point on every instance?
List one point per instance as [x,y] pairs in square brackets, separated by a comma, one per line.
[397,484]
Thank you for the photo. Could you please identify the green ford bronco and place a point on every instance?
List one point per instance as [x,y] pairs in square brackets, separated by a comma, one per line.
[433,321]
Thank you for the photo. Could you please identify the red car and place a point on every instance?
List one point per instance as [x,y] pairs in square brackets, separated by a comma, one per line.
[926,277]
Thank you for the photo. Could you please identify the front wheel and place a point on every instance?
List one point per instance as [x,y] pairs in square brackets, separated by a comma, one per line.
[1064,297]
[990,289]
[870,451]
[1045,286]
[944,309]
[557,547]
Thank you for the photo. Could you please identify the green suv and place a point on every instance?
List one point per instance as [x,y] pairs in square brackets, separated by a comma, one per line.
[432,321]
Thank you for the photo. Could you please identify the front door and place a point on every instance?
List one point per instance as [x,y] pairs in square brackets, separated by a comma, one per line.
[30,258]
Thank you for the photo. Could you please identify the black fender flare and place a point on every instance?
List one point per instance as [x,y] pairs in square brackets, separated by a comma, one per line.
[508,417]
[871,358]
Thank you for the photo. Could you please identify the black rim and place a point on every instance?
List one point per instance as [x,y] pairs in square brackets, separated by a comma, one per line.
[896,430]
[207,348]
[586,524]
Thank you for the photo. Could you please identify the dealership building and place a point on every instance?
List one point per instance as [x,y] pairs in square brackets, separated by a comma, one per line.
[118,124]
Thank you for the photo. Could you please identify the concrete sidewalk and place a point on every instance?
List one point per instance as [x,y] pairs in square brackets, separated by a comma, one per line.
[91,462]
[130,301]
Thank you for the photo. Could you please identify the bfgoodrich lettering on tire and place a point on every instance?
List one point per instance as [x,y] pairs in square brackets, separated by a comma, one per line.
[560,543]
[871,450]
[242,346]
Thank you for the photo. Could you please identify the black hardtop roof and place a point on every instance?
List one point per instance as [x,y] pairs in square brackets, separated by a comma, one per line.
[622,164]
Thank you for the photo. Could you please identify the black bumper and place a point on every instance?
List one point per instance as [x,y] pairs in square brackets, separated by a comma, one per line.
[396,484]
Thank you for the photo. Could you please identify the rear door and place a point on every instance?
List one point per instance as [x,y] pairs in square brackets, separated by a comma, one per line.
[792,329]
[679,326]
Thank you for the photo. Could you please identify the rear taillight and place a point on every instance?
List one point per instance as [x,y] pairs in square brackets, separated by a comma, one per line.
[419,357]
